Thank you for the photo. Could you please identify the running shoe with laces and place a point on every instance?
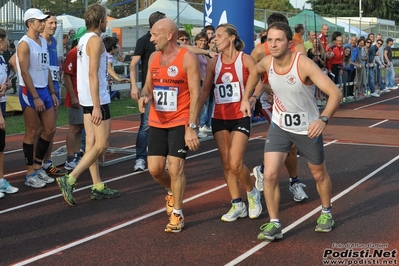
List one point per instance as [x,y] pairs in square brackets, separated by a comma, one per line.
[169,204]
[298,192]
[176,223]
[140,165]
[255,206]
[325,223]
[42,175]
[106,193]
[71,165]
[33,181]
[66,189]
[237,210]
[52,170]
[259,178]
[7,188]
[270,231]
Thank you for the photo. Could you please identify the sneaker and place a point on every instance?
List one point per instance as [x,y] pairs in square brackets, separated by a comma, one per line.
[205,129]
[140,165]
[325,223]
[106,193]
[259,178]
[33,181]
[52,170]
[255,206]
[201,135]
[298,192]
[176,223]
[42,175]
[374,94]
[66,189]
[169,204]
[237,210]
[1,195]
[7,188]
[71,165]
[270,231]
[394,88]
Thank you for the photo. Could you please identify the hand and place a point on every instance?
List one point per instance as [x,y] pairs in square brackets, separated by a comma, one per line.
[96,116]
[39,105]
[212,54]
[143,101]
[3,89]
[55,100]
[135,93]
[75,102]
[245,108]
[316,128]
[191,139]
[2,123]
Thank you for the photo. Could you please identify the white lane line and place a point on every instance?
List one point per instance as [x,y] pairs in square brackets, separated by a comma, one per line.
[379,123]
[310,214]
[368,105]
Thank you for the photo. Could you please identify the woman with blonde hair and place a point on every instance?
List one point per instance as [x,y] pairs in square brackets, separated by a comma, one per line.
[229,72]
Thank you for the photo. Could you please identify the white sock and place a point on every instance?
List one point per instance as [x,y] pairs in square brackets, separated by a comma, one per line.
[252,192]
[180,212]
[276,221]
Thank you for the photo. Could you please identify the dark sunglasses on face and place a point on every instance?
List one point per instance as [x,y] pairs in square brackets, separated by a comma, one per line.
[184,39]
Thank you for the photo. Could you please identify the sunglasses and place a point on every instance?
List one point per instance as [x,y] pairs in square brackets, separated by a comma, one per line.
[184,39]
[380,43]
[368,42]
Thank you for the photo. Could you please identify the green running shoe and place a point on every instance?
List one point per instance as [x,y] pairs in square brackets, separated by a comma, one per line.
[66,190]
[106,193]
[270,231]
[325,223]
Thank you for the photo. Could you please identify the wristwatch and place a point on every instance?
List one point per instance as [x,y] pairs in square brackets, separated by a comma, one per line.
[256,97]
[324,119]
[192,125]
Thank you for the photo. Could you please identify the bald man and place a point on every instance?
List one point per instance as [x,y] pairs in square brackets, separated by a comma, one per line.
[309,43]
[173,88]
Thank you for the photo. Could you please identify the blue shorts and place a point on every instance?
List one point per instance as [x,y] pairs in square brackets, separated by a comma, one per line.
[26,99]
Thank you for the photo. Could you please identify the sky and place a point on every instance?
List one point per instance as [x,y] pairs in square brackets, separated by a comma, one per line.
[299,3]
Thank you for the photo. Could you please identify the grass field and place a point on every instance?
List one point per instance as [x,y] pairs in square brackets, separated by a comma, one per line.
[122,107]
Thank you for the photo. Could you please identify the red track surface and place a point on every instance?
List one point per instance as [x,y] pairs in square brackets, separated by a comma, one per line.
[362,154]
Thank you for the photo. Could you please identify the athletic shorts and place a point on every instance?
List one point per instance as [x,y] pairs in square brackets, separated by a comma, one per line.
[75,115]
[242,125]
[104,110]
[279,140]
[26,99]
[167,141]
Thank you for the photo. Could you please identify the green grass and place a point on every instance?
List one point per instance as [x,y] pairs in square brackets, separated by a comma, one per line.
[122,107]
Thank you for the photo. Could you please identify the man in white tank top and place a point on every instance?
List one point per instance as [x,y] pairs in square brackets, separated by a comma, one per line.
[36,95]
[295,120]
[93,93]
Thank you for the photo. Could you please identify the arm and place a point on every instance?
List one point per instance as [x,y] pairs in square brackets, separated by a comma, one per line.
[52,90]
[94,49]
[386,57]
[191,65]
[113,74]
[196,50]
[208,82]
[253,80]
[69,88]
[146,91]
[134,93]
[308,70]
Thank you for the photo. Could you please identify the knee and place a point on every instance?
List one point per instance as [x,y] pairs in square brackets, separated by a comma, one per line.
[236,168]
[156,171]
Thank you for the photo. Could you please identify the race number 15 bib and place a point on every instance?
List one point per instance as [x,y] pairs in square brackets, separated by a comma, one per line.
[55,72]
[227,93]
[294,121]
[165,98]
[42,61]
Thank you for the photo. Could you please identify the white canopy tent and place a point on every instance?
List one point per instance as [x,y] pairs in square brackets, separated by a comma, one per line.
[70,23]
[186,14]
[352,29]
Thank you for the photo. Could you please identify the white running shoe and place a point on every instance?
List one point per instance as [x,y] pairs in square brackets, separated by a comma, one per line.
[255,206]
[71,165]
[205,129]
[41,174]
[7,188]
[201,135]
[374,94]
[140,165]
[259,178]
[1,195]
[298,192]
[33,181]
[237,210]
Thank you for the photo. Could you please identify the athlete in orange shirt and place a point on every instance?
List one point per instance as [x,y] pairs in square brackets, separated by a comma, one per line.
[173,85]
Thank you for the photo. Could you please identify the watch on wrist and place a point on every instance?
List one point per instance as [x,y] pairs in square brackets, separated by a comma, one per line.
[256,97]
[192,125]
[324,119]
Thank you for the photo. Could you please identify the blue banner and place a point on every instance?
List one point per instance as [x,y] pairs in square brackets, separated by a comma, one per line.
[240,13]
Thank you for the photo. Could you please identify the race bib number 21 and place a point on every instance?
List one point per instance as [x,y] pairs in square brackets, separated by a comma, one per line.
[165,98]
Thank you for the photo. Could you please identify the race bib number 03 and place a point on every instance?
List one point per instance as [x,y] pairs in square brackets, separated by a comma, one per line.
[165,98]
[227,93]
[294,121]
[55,72]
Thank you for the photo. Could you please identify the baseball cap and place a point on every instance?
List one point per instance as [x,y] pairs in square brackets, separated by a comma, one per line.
[389,40]
[79,33]
[34,13]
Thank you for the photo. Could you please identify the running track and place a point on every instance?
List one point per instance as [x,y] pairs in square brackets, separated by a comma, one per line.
[362,154]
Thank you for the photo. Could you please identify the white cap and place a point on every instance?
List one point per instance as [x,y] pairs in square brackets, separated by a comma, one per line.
[34,13]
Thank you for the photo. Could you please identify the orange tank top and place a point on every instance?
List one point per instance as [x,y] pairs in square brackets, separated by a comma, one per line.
[171,97]
[265,78]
